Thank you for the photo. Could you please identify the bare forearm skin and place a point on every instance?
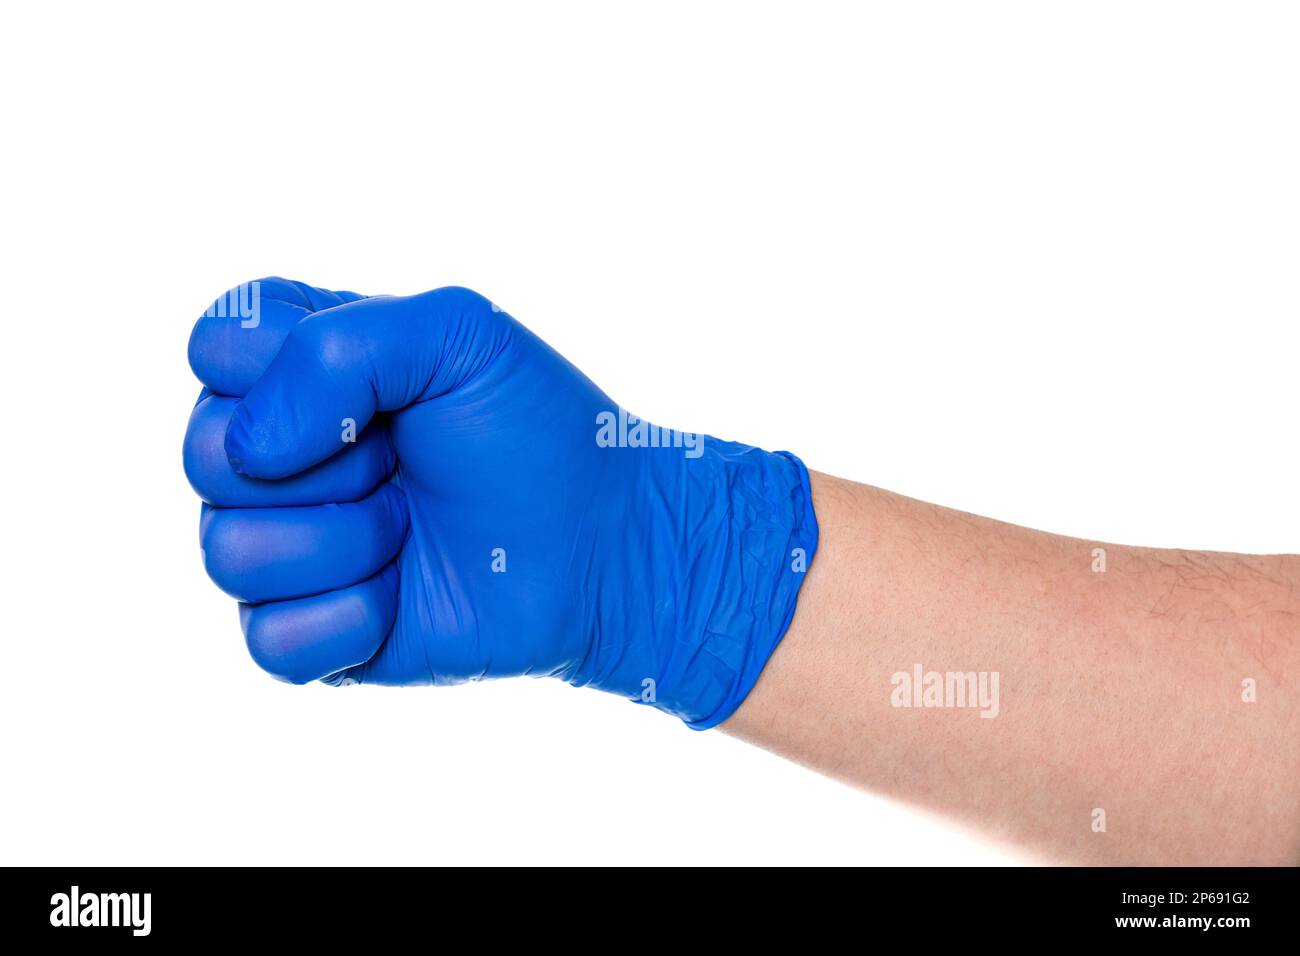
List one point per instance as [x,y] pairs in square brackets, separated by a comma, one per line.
[1120,690]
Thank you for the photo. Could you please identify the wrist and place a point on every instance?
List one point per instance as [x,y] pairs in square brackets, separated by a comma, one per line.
[761,541]
[700,561]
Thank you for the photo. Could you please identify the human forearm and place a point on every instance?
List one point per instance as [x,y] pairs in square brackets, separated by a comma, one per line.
[1120,690]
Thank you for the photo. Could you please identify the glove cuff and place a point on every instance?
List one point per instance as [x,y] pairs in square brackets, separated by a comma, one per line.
[756,559]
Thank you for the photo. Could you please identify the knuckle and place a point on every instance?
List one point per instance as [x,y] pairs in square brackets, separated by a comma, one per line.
[270,651]
[327,338]
[466,301]
[203,449]
[222,554]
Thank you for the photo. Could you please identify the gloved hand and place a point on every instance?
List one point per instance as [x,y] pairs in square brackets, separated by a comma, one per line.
[417,489]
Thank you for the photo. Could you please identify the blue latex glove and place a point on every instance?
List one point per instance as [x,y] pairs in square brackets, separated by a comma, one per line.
[413,490]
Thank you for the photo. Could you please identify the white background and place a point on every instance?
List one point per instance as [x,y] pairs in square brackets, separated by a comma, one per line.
[1036,261]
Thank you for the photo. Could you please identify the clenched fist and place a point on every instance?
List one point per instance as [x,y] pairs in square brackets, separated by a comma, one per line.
[417,489]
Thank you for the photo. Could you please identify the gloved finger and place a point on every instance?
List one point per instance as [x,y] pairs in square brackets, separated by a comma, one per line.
[239,334]
[310,638]
[272,554]
[349,475]
[338,367]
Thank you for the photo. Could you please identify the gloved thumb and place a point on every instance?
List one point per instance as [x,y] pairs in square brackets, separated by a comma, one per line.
[339,366]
